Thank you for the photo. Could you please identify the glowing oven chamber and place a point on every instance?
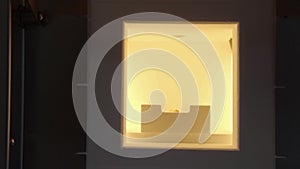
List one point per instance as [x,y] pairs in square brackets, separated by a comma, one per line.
[170,97]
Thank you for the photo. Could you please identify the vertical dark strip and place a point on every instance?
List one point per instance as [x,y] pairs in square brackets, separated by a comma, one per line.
[4,80]
[22,98]
[16,126]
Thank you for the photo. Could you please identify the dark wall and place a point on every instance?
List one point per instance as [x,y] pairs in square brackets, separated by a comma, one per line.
[257,51]
[51,127]
[287,93]
[290,8]
[53,137]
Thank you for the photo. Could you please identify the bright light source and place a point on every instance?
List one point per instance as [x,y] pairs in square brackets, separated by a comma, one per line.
[160,89]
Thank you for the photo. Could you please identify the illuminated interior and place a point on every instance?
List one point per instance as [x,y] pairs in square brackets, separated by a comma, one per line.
[158,92]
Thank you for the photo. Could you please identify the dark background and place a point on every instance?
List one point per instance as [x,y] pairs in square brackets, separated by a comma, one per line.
[4,64]
[287,93]
[53,137]
[287,82]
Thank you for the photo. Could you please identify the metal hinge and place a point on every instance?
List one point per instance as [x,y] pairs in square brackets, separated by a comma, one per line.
[28,17]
